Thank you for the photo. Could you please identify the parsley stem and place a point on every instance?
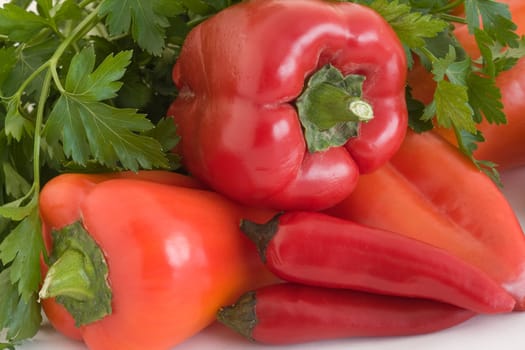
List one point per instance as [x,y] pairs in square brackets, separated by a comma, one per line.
[84,3]
[29,79]
[429,55]
[39,121]
[86,25]
[451,18]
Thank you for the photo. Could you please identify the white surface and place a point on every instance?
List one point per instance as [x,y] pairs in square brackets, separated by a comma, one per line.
[480,333]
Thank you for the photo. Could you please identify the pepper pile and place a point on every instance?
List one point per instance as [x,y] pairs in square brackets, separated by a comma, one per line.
[260,135]
[319,206]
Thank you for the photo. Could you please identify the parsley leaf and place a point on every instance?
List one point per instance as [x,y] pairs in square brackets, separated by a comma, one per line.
[20,249]
[83,128]
[411,27]
[28,58]
[18,24]
[485,97]
[22,318]
[496,19]
[148,26]
[452,107]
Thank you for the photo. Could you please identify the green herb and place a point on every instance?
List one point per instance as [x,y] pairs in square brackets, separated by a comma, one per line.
[84,86]
[466,90]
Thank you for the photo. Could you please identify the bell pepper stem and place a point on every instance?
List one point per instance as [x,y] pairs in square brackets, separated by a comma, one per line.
[329,105]
[78,275]
[68,277]
[331,108]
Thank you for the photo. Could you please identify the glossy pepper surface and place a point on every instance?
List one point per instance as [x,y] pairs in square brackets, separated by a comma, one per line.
[431,192]
[289,313]
[318,249]
[174,255]
[252,77]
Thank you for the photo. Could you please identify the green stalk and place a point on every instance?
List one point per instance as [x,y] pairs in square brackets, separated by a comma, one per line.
[78,275]
[39,121]
[331,108]
[83,27]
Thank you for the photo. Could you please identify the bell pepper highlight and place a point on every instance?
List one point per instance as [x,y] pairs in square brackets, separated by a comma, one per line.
[139,264]
[287,116]
[288,313]
[431,192]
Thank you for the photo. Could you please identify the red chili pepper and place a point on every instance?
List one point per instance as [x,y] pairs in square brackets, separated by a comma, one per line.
[243,101]
[431,192]
[172,256]
[317,249]
[289,313]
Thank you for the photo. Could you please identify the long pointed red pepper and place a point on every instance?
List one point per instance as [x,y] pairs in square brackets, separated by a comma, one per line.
[317,249]
[431,192]
[290,313]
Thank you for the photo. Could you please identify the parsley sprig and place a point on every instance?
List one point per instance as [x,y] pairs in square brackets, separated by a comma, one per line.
[466,91]
[84,86]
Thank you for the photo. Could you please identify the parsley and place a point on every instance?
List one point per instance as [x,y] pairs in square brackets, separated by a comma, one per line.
[466,90]
[84,86]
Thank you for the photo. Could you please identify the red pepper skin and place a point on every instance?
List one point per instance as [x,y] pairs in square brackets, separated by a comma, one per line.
[157,301]
[318,249]
[431,192]
[289,313]
[240,133]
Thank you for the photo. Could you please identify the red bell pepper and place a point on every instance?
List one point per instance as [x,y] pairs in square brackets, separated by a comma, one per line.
[169,257]
[318,249]
[243,101]
[288,314]
[431,192]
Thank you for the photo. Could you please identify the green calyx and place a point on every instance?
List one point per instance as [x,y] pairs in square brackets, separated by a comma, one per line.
[331,108]
[78,275]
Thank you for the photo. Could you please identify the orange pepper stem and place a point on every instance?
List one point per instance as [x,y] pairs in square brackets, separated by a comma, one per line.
[77,277]
[68,277]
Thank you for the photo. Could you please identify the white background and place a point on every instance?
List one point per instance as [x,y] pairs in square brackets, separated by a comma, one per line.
[506,332]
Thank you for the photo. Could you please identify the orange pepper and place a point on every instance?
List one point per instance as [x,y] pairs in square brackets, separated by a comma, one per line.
[174,254]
